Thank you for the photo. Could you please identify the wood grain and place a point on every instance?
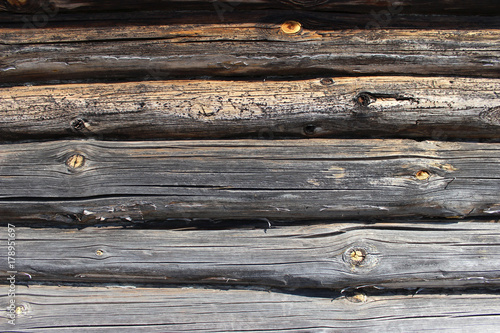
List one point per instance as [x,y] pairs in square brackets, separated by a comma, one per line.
[109,309]
[438,108]
[90,181]
[242,51]
[394,255]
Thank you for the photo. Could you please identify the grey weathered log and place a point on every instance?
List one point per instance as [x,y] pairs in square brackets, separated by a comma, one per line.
[438,108]
[243,50]
[86,181]
[380,8]
[112,309]
[334,256]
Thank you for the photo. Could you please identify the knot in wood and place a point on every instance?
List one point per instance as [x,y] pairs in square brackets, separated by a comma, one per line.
[364,99]
[20,310]
[491,116]
[422,175]
[75,161]
[309,129]
[357,256]
[357,297]
[78,124]
[291,27]
[361,258]
[327,81]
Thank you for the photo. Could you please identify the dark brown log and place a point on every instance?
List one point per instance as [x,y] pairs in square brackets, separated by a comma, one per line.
[438,108]
[87,182]
[23,27]
[382,7]
[111,309]
[239,50]
[337,256]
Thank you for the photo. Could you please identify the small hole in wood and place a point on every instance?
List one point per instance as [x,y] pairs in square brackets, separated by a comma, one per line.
[291,27]
[309,129]
[99,253]
[422,175]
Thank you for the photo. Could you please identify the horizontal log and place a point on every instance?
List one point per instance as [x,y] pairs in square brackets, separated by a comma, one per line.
[242,50]
[197,26]
[334,256]
[438,108]
[25,27]
[485,7]
[82,182]
[108,309]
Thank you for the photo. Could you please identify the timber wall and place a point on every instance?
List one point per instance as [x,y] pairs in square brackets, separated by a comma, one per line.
[255,165]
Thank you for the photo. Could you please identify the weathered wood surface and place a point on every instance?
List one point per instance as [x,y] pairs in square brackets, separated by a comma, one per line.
[111,309]
[315,27]
[91,181]
[485,7]
[438,108]
[247,51]
[334,256]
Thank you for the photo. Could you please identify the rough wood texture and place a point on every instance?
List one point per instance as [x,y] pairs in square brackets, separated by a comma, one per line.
[437,108]
[485,7]
[255,26]
[101,309]
[399,255]
[242,51]
[92,181]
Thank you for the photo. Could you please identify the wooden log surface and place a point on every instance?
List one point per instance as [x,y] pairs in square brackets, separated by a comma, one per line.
[109,309]
[86,181]
[25,26]
[484,7]
[437,108]
[333,256]
[242,50]
[180,27]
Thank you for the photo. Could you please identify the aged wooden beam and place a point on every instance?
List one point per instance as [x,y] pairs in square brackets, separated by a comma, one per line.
[88,182]
[243,50]
[382,7]
[255,26]
[438,108]
[108,309]
[333,256]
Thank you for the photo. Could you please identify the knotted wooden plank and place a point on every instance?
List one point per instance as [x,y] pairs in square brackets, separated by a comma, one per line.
[438,108]
[240,50]
[92,181]
[332,256]
[108,309]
